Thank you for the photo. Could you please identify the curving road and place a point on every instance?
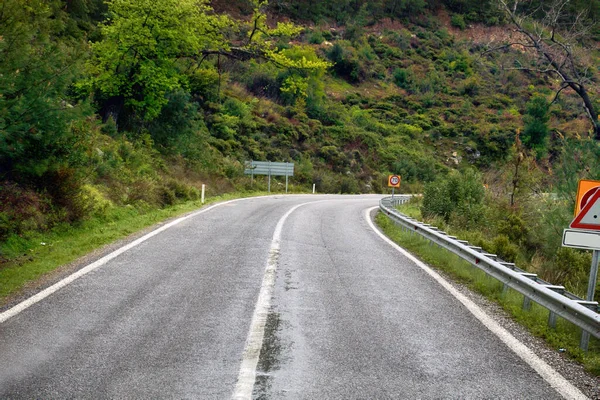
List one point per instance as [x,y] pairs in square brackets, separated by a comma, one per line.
[289,297]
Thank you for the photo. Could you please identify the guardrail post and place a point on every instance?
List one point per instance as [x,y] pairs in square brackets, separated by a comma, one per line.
[526,303]
[552,320]
[585,340]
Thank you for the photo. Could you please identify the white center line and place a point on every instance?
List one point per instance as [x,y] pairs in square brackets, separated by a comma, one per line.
[247,374]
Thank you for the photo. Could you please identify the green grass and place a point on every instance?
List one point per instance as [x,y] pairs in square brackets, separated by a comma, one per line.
[34,255]
[565,336]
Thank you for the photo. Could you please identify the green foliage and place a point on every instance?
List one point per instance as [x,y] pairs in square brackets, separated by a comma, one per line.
[514,228]
[458,21]
[459,195]
[345,61]
[142,40]
[316,37]
[535,134]
[504,248]
[179,126]
[403,78]
[36,137]
[302,84]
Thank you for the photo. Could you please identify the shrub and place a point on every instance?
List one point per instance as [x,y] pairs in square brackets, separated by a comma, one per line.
[325,182]
[346,61]
[570,267]
[458,20]
[316,37]
[459,196]
[402,78]
[514,228]
[349,185]
[21,209]
[173,191]
[505,249]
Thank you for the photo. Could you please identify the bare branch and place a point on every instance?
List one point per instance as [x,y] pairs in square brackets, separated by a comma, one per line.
[563,87]
[554,45]
[507,46]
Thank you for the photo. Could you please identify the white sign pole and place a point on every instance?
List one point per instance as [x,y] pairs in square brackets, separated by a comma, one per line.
[585,336]
[593,275]
[314,187]
[203,190]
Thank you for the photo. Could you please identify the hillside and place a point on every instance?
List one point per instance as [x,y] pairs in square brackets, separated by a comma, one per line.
[138,112]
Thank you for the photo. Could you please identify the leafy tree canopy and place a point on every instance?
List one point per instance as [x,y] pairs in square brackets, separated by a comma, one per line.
[149,45]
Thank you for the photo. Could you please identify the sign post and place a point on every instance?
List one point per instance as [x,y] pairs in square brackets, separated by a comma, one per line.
[270,169]
[585,234]
[585,336]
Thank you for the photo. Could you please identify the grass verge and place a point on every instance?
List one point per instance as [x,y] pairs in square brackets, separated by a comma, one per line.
[37,254]
[565,337]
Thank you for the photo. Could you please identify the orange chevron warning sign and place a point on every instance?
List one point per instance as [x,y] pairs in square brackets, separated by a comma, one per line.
[585,190]
[589,216]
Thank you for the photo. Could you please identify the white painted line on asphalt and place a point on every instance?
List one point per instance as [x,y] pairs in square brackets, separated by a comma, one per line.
[247,375]
[556,380]
[97,264]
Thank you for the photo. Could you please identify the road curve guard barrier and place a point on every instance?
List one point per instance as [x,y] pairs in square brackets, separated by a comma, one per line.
[582,313]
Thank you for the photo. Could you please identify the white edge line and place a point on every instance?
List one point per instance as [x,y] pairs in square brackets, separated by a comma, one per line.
[247,374]
[549,374]
[11,312]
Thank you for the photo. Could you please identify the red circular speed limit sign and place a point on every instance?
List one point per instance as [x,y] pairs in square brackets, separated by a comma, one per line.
[394,181]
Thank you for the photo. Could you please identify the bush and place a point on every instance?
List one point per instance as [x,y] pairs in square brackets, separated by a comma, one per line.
[325,182]
[316,37]
[349,185]
[402,78]
[514,228]
[505,249]
[346,61]
[458,196]
[570,267]
[21,210]
[174,191]
[458,20]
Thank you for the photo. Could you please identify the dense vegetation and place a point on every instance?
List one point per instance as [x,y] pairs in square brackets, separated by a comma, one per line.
[136,103]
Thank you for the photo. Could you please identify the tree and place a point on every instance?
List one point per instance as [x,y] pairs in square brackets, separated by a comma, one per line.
[37,66]
[150,46]
[136,62]
[535,134]
[555,39]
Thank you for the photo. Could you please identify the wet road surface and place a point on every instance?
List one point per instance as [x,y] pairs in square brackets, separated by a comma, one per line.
[349,318]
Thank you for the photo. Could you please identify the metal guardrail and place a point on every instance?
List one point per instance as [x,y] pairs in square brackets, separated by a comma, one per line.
[582,313]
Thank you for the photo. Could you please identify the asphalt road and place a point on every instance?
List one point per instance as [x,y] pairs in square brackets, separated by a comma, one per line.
[348,317]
